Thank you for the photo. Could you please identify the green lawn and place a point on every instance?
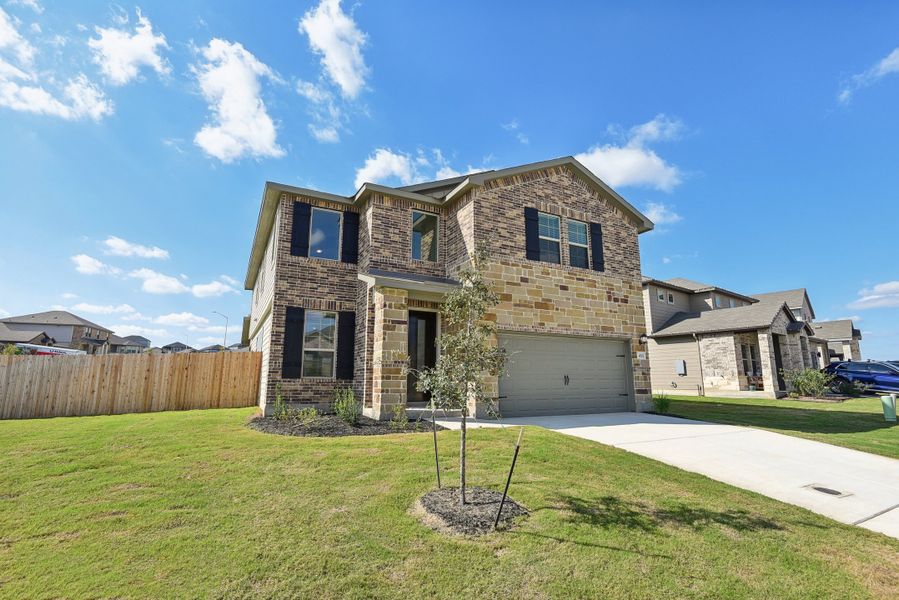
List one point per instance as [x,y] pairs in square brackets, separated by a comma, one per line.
[195,505]
[856,423]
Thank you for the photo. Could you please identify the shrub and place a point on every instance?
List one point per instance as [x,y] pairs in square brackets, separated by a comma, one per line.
[281,411]
[10,350]
[848,388]
[399,421]
[306,415]
[345,405]
[661,403]
[808,382]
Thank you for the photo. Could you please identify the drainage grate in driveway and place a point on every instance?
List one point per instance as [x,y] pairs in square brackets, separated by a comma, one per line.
[823,489]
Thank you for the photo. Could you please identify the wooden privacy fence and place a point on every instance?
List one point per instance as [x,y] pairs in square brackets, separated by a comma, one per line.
[56,386]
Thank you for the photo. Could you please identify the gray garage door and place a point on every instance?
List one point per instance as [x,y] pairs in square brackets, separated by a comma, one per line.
[555,375]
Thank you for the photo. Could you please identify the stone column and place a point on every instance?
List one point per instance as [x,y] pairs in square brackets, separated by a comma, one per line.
[769,369]
[390,351]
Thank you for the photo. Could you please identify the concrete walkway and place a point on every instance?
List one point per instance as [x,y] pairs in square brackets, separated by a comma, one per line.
[853,487]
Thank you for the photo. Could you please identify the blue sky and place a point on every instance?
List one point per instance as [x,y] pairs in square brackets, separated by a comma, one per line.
[135,139]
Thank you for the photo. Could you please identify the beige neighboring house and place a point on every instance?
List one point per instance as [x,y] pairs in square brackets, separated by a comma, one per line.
[707,340]
[120,345]
[842,339]
[67,329]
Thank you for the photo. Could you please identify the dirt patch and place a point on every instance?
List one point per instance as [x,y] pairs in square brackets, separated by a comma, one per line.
[440,510]
[332,426]
[829,399]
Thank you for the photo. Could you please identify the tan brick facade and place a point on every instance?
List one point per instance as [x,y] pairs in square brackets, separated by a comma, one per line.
[535,297]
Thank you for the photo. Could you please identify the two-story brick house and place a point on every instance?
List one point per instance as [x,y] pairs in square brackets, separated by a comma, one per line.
[345,288]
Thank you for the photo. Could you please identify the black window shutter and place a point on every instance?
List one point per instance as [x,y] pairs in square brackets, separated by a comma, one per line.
[531,234]
[346,344]
[349,253]
[599,262]
[293,343]
[299,235]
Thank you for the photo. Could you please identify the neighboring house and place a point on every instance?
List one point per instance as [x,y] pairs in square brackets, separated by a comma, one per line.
[707,340]
[24,336]
[346,287]
[842,339]
[69,330]
[120,345]
[176,347]
[139,340]
[213,348]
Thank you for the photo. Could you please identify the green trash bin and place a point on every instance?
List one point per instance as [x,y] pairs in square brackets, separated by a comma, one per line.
[889,407]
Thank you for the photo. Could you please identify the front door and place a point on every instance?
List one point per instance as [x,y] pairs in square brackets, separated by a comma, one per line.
[422,351]
[778,364]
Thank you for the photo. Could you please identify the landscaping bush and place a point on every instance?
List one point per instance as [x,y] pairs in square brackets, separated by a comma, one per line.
[848,388]
[808,382]
[345,405]
[307,415]
[661,403]
[10,350]
[399,420]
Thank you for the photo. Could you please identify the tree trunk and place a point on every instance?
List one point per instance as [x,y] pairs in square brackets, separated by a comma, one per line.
[462,461]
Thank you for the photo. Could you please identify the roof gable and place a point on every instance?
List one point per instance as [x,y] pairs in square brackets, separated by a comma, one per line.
[54,317]
[754,316]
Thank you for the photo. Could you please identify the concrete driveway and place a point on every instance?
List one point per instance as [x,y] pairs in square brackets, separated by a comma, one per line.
[846,485]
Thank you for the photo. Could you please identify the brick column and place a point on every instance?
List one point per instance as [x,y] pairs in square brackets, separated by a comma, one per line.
[769,368]
[390,351]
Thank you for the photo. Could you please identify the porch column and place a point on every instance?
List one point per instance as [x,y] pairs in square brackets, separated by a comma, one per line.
[769,370]
[389,351]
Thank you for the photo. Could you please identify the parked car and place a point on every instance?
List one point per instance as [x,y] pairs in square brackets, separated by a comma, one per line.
[876,376]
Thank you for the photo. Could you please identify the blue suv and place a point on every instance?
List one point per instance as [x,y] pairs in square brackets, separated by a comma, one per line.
[876,376]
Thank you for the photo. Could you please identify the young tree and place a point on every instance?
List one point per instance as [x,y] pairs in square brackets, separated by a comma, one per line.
[466,355]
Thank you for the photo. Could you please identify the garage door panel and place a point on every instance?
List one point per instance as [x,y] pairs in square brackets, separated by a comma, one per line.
[535,379]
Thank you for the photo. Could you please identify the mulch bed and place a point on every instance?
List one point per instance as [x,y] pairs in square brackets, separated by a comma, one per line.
[440,510]
[832,399]
[332,426]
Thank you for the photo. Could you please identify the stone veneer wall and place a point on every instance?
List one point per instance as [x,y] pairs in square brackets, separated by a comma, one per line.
[719,362]
[389,350]
[538,297]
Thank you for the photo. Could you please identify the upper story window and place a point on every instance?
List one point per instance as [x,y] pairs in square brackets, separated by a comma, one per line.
[670,297]
[549,231]
[578,249]
[732,303]
[319,348]
[719,301]
[324,233]
[660,294]
[424,236]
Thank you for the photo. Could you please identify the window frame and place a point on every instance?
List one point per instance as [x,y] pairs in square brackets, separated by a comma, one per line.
[660,295]
[412,237]
[585,246]
[306,349]
[717,301]
[670,297]
[557,240]
[339,231]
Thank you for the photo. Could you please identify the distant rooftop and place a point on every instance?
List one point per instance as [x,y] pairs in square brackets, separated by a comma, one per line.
[54,317]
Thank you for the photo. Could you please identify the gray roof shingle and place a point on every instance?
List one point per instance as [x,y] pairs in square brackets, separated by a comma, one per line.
[836,330]
[54,317]
[754,316]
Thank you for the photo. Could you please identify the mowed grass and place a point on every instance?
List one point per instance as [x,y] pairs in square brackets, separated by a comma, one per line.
[856,423]
[195,504]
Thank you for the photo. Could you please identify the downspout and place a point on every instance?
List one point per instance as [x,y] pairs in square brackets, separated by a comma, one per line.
[701,374]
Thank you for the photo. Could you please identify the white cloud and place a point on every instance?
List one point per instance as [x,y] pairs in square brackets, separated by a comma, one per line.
[213,288]
[126,329]
[103,309]
[384,165]
[3,313]
[885,66]
[514,128]
[881,295]
[207,329]
[229,81]
[327,117]
[157,283]
[116,246]
[850,318]
[666,260]
[335,37]
[68,296]
[229,279]
[208,340]
[12,41]
[661,214]
[120,54]
[182,319]
[32,4]
[88,265]
[313,93]
[633,163]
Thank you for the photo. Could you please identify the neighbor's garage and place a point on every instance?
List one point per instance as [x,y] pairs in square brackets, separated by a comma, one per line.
[556,375]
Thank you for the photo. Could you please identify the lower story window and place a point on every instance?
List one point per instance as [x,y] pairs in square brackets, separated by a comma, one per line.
[319,348]
[752,364]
